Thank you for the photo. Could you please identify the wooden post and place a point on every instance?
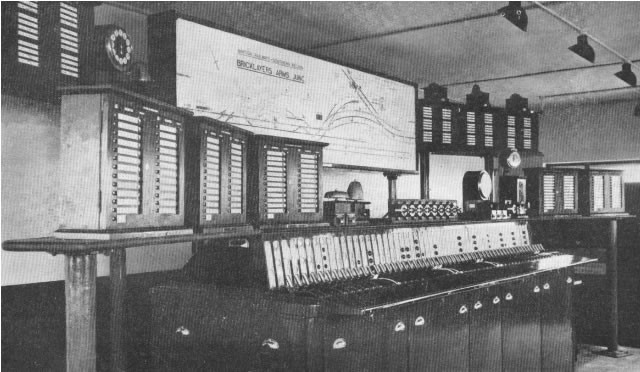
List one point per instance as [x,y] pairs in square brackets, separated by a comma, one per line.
[392,177]
[424,174]
[118,276]
[80,293]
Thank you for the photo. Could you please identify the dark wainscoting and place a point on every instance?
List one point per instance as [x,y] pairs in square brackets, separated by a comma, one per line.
[33,329]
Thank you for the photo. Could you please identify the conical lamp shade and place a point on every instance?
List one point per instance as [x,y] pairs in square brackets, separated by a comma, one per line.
[583,49]
[627,75]
[515,14]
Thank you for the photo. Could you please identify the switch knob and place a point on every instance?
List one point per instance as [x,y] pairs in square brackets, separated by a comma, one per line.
[339,343]
[183,331]
[271,344]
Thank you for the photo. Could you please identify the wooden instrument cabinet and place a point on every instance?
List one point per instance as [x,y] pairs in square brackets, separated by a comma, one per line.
[122,160]
[552,191]
[216,163]
[601,191]
[285,184]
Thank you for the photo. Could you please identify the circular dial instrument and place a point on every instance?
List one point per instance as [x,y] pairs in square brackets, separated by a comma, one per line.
[513,159]
[484,185]
[117,45]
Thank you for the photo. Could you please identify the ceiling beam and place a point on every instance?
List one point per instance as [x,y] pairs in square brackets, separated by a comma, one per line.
[424,27]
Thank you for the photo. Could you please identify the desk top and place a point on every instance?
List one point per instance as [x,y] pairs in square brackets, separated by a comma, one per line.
[86,246]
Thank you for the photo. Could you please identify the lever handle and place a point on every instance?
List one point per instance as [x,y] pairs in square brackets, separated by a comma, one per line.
[271,344]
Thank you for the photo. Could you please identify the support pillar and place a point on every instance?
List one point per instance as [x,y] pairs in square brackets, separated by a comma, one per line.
[80,293]
[118,276]
[612,284]
[393,191]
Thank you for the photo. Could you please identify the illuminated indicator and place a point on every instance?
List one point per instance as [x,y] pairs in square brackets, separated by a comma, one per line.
[69,40]
[168,136]
[276,176]
[128,177]
[616,192]
[170,166]
[166,151]
[168,181]
[129,118]
[126,210]
[471,128]
[598,192]
[168,144]
[128,168]
[129,135]
[127,185]
[548,187]
[128,193]
[568,192]
[28,34]
[167,159]
[167,128]
[127,202]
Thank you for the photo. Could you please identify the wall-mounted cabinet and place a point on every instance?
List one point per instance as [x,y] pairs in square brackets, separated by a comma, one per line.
[518,127]
[44,45]
[437,120]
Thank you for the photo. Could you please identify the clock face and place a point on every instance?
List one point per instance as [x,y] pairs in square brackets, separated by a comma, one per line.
[514,160]
[118,48]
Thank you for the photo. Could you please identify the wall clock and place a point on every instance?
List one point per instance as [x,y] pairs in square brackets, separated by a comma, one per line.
[117,46]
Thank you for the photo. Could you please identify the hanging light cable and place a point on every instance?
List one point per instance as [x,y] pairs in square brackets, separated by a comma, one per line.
[625,74]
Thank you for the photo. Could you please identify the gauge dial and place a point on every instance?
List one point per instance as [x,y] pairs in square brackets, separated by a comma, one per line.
[118,46]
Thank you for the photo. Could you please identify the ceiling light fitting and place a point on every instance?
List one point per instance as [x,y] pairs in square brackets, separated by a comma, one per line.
[515,14]
[583,49]
[625,74]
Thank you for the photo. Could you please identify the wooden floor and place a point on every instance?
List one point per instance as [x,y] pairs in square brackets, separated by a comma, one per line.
[589,361]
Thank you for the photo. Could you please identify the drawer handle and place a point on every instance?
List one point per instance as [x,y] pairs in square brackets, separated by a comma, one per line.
[477,305]
[496,300]
[271,344]
[546,286]
[463,309]
[508,297]
[183,331]
[339,343]
[569,280]
[419,321]
[536,289]
[400,327]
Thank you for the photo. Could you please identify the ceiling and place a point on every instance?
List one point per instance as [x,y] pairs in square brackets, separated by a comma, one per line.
[456,44]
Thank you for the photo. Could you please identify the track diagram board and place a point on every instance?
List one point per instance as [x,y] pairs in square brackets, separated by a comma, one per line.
[368,120]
